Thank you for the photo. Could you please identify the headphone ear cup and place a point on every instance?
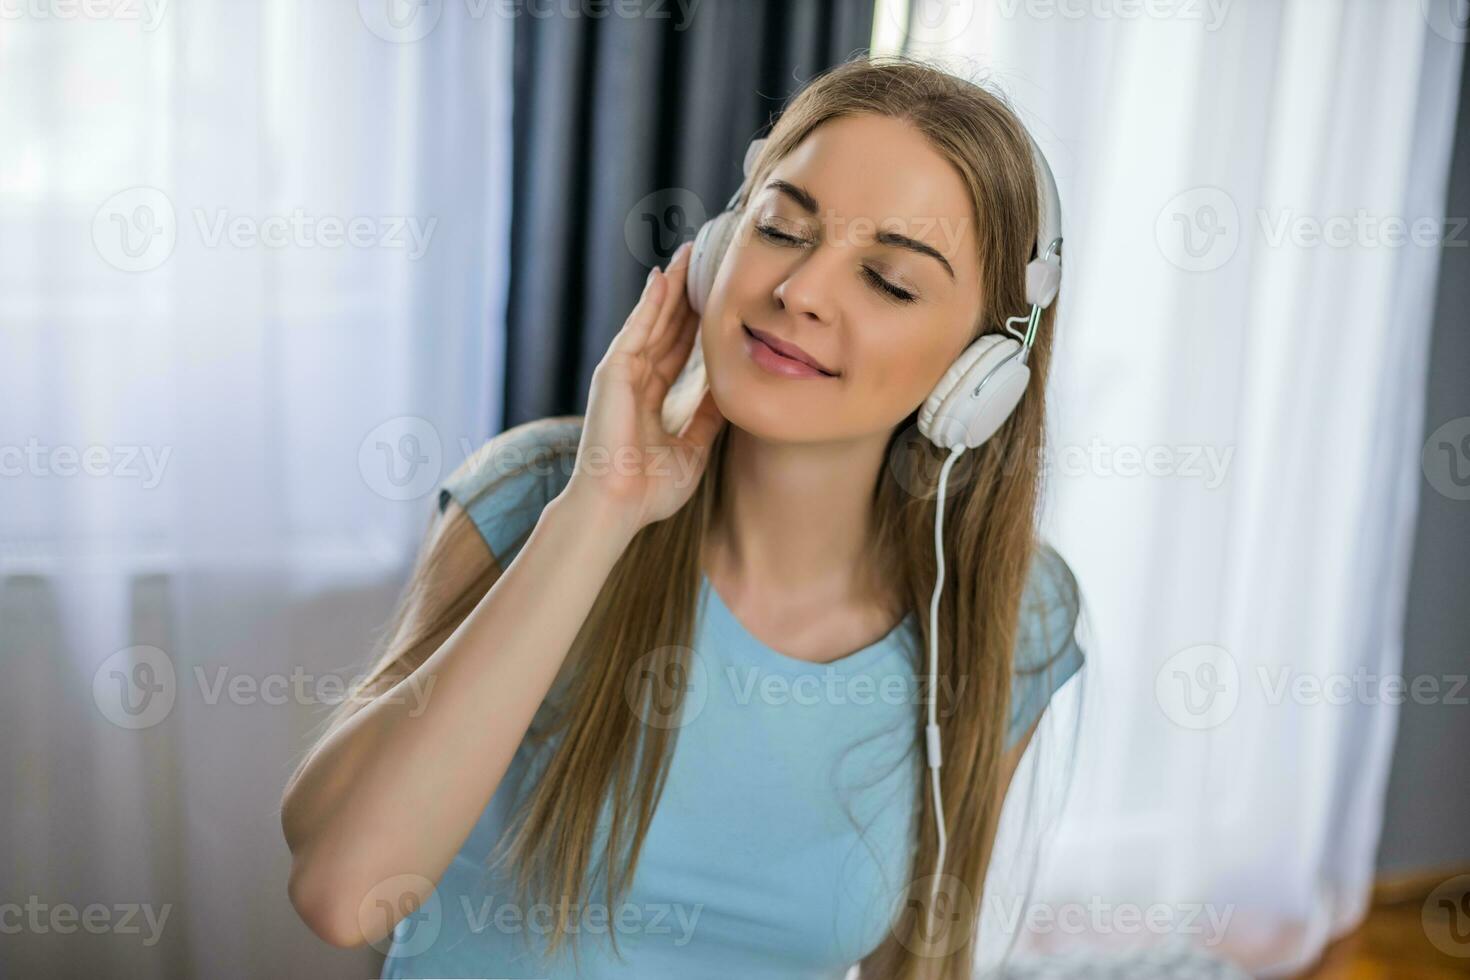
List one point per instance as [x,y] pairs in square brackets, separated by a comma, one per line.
[951,417]
[688,389]
[710,246]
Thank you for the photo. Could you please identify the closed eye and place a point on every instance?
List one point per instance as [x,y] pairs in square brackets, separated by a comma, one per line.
[888,289]
[779,237]
[901,295]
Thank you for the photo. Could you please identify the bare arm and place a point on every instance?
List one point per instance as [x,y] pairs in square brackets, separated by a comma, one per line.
[397,788]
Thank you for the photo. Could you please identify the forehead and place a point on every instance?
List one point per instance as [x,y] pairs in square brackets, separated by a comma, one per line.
[884,170]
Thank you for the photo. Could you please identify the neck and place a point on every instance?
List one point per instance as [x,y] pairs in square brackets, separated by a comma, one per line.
[796,519]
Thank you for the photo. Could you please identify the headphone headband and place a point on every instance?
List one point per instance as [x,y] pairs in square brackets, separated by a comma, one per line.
[752,152]
[1049,227]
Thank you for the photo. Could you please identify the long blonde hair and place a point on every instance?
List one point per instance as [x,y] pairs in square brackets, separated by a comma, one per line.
[606,754]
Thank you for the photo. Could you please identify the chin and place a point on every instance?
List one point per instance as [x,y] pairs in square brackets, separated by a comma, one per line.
[761,403]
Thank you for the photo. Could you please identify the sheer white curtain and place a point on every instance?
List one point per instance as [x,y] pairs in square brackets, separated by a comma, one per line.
[251,270]
[1252,195]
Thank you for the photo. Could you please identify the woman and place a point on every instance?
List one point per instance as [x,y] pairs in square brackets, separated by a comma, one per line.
[656,698]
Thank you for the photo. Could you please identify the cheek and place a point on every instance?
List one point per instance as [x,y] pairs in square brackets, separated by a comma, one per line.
[905,361]
[746,278]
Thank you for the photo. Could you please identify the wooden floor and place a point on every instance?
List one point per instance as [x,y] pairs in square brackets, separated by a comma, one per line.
[1393,942]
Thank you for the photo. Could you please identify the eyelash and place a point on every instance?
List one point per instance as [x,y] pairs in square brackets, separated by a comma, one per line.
[885,287]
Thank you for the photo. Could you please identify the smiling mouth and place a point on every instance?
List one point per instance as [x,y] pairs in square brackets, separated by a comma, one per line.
[781,363]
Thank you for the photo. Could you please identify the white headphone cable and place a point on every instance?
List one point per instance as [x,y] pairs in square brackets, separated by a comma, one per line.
[931,730]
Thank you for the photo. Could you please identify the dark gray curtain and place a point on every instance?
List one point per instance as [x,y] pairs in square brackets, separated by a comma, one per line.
[627,132]
[1424,827]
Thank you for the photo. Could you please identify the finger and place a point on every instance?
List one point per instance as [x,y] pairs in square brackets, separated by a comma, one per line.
[676,295]
[671,361]
[673,332]
[668,333]
[634,335]
[666,371]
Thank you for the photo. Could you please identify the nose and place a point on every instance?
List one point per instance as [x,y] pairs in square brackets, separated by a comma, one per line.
[809,289]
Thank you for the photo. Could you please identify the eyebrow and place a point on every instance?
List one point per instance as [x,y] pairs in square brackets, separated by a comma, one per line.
[808,203]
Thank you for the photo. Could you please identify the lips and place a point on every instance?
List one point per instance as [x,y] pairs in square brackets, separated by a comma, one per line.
[789,350]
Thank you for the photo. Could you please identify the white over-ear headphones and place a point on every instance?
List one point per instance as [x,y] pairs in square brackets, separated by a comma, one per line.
[973,399]
[985,383]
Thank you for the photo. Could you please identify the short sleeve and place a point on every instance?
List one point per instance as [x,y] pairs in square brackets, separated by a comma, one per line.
[1047,653]
[504,485]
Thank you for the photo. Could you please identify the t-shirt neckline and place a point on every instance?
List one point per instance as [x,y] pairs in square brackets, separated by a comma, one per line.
[890,643]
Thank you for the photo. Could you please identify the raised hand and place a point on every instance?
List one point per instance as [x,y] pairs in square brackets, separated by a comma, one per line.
[626,461]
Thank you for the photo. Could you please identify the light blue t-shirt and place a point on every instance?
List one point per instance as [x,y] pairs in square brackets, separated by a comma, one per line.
[780,846]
